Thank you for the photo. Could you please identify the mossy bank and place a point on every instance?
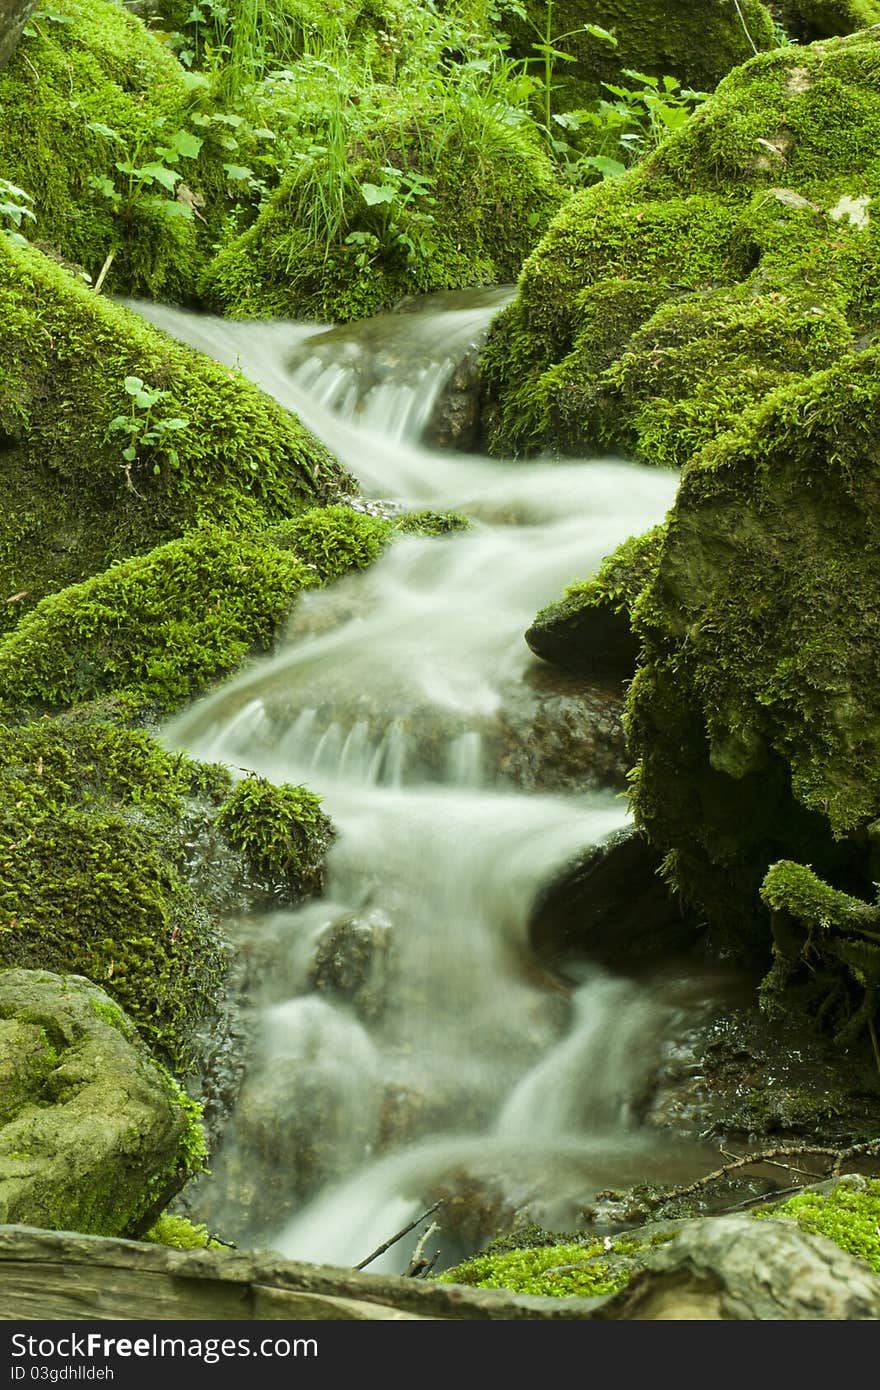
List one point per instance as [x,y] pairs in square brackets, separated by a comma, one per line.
[80,491]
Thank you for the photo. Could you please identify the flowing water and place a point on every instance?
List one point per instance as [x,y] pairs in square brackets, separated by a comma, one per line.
[408,1044]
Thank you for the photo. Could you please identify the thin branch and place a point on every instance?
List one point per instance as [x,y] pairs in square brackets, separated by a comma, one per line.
[400,1234]
[418,1265]
[108,261]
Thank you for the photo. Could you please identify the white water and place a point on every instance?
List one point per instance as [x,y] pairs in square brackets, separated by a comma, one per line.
[497,1076]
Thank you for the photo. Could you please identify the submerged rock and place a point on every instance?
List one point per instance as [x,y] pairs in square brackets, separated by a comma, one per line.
[94,1136]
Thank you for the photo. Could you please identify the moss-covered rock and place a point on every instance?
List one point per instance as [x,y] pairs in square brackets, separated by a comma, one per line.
[89,89]
[420,203]
[281,829]
[754,716]
[737,259]
[155,630]
[697,41]
[94,1135]
[79,490]
[589,629]
[807,20]
[102,833]
[847,1212]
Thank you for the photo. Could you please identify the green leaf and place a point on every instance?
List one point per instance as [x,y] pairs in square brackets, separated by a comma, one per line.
[130,454]
[106,187]
[599,33]
[238,173]
[105,130]
[147,399]
[641,77]
[158,173]
[609,168]
[173,424]
[549,51]
[186,144]
[372,194]
[133,384]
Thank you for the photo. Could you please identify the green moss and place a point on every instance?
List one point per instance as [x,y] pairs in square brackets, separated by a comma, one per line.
[470,200]
[697,41]
[661,305]
[430,523]
[755,716]
[90,87]
[333,540]
[623,574]
[158,627]
[154,630]
[179,1233]
[91,875]
[848,1215]
[816,927]
[558,1270]
[590,628]
[281,829]
[72,504]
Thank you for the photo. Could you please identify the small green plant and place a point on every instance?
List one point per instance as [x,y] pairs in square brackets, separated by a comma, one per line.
[631,125]
[147,170]
[145,429]
[549,53]
[14,207]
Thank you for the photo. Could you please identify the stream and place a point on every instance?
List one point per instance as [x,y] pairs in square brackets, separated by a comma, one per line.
[408,1044]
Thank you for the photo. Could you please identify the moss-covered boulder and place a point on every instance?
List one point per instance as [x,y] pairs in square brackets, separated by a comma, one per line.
[697,41]
[89,90]
[807,20]
[118,860]
[589,629]
[428,199]
[114,438]
[755,716]
[94,1135]
[737,259]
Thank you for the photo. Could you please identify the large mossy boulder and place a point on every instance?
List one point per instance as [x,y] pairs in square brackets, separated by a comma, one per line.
[94,1135]
[90,89]
[755,716]
[429,198]
[79,490]
[737,259]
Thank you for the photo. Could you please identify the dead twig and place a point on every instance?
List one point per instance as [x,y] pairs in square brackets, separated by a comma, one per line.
[400,1234]
[764,1156]
[418,1266]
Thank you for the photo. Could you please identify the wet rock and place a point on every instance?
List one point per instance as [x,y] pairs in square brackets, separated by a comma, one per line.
[752,1082]
[306,1114]
[581,637]
[732,1268]
[93,1135]
[612,906]
[556,732]
[455,419]
[352,962]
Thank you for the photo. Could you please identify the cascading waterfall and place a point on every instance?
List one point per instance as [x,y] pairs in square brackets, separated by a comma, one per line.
[441,1055]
